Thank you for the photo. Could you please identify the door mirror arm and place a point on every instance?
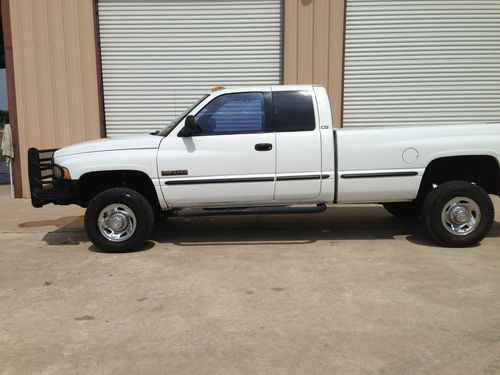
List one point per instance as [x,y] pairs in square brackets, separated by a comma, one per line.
[190,127]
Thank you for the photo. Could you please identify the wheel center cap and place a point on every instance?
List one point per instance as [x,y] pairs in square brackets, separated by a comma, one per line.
[460,215]
[117,222]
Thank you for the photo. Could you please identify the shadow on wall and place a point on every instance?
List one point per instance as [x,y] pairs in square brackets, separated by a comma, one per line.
[334,225]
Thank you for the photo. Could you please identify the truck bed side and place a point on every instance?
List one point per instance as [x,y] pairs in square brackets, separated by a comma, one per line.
[387,164]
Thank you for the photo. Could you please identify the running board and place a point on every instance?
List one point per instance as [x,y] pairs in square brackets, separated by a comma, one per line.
[190,212]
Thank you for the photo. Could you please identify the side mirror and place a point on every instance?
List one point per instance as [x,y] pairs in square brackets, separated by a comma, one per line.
[190,128]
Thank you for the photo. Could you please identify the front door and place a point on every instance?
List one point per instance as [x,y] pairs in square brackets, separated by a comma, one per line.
[231,162]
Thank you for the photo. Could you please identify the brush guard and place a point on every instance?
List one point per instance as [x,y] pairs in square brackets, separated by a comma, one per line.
[44,187]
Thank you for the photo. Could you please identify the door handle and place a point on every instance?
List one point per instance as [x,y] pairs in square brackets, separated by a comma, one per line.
[263,147]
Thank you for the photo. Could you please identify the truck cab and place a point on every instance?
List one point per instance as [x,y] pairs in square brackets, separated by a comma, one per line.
[258,146]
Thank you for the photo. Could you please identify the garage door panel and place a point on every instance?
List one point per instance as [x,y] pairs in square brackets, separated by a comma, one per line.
[421,62]
[160,56]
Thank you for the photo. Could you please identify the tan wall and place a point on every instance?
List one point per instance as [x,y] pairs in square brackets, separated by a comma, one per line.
[313,46]
[55,71]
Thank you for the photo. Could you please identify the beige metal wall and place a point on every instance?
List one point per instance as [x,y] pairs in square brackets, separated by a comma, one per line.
[55,73]
[314,45]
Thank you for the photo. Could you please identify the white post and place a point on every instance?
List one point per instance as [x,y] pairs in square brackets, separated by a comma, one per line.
[11,182]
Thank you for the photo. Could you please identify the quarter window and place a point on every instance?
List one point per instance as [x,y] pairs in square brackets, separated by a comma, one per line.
[233,114]
[293,111]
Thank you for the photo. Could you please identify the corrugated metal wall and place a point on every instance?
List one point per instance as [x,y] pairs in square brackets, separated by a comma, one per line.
[422,62]
[55,74]
[314,32]
[160,56]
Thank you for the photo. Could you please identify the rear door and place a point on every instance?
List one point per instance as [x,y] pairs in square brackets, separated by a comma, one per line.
[298,144]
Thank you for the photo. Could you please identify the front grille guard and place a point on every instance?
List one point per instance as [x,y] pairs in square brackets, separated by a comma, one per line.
[45,188]
[40,167]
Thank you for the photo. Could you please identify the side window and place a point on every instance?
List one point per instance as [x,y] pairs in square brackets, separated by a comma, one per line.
[293,111]
[233,113]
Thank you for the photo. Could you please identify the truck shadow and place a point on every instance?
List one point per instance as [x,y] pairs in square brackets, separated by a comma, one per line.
[335,225]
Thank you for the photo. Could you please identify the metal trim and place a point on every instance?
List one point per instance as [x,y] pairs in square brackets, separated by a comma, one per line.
[304,177]
[246,179]
[379,174]
[100,85]
[219,181]
[11,94]
[336,166]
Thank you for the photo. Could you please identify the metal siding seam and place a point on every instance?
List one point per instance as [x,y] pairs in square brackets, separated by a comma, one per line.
[82,70]
[37,68]
[282,42]
[343,67]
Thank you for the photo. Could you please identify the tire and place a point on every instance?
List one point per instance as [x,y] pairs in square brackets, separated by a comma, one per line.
[132,224]
[458,214]
[403,210]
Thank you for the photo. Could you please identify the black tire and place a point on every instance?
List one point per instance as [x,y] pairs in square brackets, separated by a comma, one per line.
[436,204]
[143,224]
[403,210]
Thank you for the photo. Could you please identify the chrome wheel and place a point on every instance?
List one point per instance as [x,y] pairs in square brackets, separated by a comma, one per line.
[117,222]
[461,216]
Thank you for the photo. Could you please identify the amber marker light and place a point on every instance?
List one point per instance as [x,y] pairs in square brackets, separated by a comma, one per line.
[66,174]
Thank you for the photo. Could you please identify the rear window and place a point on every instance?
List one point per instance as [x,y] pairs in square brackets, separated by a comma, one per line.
[293,111]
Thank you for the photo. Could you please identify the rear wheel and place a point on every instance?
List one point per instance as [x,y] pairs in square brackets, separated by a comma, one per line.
[403,210]
[119,219]
[458,214]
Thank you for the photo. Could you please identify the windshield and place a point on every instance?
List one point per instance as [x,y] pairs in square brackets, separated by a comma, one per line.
[167,129]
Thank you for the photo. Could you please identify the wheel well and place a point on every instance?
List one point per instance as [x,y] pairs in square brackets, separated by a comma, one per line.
[91,184]
[482,170]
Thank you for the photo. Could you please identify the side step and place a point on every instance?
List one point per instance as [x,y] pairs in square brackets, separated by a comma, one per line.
[190,212]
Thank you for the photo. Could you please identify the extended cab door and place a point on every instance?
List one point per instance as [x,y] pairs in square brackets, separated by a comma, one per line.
[231,162]
[298,144]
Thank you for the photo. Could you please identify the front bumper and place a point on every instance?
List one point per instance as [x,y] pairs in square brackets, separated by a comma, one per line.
[44,187]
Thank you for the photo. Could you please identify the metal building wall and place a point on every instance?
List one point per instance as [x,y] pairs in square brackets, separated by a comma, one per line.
[314,47]
[55,70]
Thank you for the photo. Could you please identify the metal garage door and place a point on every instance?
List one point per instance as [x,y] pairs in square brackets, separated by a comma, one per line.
[421,62]
[159,56]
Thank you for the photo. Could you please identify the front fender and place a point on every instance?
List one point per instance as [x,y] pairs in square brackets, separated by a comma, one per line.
[142,160]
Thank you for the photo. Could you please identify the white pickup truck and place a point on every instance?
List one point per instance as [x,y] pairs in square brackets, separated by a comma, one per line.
[263,149]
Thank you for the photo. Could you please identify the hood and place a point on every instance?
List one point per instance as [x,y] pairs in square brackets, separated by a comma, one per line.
[129,142]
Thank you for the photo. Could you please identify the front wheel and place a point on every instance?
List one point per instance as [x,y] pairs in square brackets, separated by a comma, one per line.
[458,214]
[119,219]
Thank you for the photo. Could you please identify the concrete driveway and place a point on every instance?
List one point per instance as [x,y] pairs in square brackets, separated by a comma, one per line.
[351,290]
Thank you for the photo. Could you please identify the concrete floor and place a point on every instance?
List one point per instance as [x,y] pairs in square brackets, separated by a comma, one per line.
[351,290]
